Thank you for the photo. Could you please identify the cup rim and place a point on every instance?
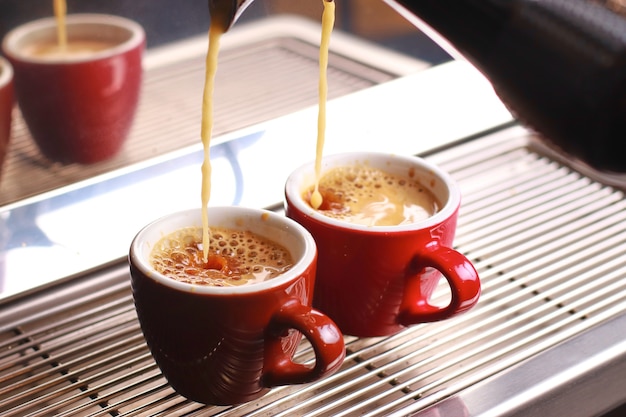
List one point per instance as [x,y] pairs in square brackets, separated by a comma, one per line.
[6,72]
[15,35]
[294,189]
[272,219]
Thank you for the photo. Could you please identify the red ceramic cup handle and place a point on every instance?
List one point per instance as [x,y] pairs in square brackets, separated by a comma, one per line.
[323,334]
[462,279]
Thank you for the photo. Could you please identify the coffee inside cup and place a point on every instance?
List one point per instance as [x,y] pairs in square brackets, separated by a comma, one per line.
[50,49]
[236,257]
[369,196]
[88,37]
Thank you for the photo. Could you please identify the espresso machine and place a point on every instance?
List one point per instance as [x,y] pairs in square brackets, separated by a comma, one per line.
[560,65]
[524,108]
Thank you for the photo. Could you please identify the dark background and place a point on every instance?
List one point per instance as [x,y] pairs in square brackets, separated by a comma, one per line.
[169,20]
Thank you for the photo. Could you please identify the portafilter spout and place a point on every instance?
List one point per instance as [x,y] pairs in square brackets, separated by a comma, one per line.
[225,12]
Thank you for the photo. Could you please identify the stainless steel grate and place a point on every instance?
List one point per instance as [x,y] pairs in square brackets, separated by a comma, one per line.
[549,244]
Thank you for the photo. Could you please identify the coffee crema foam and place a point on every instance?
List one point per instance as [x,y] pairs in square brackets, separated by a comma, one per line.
[74,49]
[368,196]
[236,257]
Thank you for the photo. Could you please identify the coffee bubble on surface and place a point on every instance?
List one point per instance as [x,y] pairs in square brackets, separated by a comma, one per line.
[236,257]
[369,196]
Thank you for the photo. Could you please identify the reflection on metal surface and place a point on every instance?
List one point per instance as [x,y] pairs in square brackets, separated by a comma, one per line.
[580,377]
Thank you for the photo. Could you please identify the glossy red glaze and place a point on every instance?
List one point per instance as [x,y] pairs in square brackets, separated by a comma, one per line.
[6,108]
[222,347]
[375,281]
[81,111]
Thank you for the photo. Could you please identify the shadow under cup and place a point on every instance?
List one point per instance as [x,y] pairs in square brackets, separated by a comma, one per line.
[377,280]
[229,345]
[79,107]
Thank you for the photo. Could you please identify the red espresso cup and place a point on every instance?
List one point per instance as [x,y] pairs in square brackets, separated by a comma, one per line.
[79,105]
[230,345]
[6,108]
[377,280]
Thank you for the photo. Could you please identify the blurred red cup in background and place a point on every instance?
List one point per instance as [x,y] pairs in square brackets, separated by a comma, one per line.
[79,104]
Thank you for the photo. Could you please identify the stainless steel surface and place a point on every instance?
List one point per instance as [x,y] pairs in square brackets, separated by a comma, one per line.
[549,244]
[580,377]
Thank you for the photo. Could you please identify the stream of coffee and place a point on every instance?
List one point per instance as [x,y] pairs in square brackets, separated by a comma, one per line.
[215,33]
[328,21]
[60,11]
[216,30]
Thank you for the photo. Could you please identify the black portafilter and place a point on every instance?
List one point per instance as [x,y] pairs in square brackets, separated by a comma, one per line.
[226,12]
[558,65]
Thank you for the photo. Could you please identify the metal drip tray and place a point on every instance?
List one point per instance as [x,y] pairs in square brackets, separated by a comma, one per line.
[548,242]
